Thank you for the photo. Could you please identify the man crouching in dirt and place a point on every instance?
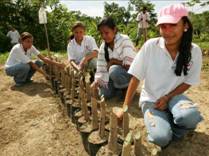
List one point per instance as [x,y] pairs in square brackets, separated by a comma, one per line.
[19,64]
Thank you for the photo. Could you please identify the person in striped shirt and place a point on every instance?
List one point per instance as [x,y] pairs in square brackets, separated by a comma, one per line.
[114,58]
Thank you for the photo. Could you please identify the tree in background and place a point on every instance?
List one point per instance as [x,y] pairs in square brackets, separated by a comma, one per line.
[23,15]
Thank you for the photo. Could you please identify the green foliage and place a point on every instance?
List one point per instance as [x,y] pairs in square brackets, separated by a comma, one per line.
[23,15]
[194,2]
[4,42]
[126,18]
[3,57]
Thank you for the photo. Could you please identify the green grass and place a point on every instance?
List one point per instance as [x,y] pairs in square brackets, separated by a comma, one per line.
[203,45]
[3,57]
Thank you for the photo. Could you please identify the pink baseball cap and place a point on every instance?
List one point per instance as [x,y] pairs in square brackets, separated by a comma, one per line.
[172,14]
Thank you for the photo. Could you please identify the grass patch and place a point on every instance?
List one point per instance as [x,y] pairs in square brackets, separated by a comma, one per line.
[203,44]
[3,57]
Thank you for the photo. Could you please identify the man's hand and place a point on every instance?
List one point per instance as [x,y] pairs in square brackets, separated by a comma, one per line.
[161,103]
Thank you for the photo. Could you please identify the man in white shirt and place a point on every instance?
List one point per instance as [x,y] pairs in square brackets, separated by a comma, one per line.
[143,19]
[14,36]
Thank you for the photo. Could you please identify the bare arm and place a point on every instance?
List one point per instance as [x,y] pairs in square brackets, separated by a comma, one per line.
[49,61]
[129,95]
[117,62]
[87,58]
[161,103]
[91,56]
[35,67]
[131,91]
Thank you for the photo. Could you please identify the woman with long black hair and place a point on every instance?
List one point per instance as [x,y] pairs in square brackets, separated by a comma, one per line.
[169,65]
[114,58]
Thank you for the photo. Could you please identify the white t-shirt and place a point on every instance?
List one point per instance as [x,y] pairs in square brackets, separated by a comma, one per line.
[77,52]
[142,18]
[14,36]
[154,65]
[18,55]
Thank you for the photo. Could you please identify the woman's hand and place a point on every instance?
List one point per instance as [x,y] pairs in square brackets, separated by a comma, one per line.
[161,103]
[112,62]
[119,114]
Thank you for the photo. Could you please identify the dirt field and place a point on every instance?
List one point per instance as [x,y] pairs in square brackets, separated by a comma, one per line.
[32,122]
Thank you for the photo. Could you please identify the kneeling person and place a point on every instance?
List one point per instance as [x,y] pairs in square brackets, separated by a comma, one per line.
[19,64]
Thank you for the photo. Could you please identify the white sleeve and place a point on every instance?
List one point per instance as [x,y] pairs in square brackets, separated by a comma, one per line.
[93,44]
[101,74]
[148,16]
[35,51]
[70,52]
[138,17]
[18,35]
[128,52]
[139,64]
[193,77]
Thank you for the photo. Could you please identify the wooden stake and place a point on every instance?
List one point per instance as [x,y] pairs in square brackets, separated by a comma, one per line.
[125,124]
[137,144]
[95,124]
[126,151]
[84,105]
[112,141]
[73,86]
[102,122]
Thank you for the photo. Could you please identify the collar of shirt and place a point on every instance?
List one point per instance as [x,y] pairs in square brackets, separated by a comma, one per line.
[117,40]
[23,50]
[82,42]
[161,44]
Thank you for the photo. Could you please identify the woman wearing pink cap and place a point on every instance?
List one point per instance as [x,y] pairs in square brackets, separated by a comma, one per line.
[168,65]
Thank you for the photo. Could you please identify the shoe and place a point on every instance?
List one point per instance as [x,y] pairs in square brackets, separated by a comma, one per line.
[19,84]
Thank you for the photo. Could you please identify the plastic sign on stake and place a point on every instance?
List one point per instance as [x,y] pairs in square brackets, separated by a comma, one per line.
[42,16]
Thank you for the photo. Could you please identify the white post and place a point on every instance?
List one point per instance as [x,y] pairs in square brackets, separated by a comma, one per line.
[43,20]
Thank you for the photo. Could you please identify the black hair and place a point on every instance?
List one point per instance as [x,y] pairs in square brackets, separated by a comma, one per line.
[184,49]
[109,22]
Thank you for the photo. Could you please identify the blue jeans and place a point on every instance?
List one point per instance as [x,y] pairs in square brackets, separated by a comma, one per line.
[22,72]
[118,80]
[173,123]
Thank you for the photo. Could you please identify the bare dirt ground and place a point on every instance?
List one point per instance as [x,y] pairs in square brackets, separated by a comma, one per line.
[32,122]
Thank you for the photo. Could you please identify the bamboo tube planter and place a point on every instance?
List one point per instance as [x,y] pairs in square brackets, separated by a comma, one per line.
[73,88]
[112,148]
[98,137]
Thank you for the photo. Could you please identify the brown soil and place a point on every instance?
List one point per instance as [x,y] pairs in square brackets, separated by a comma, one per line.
[33,123]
